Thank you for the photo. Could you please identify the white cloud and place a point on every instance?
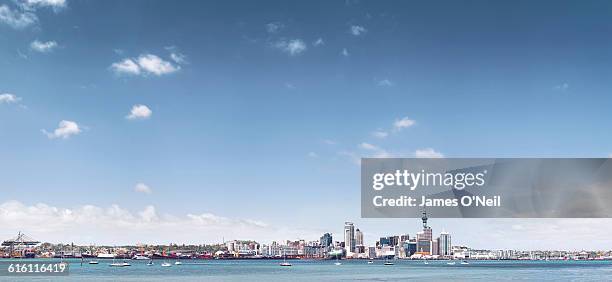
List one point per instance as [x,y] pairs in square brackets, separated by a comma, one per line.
[428,153]
[127,66]
[90,224]
[368,146]
[313,155]
[142,188]
[17,19]
[65,129]
[139,112]
[274,27]
[43,47]
[344,52]
[318,42]
[178,57]
[293,47]
[380,134]
[155,65]
[377,151]
[358,30]
[386,83]
[610,156]
[9,98]
[33,4]
[403,123]
[145,64]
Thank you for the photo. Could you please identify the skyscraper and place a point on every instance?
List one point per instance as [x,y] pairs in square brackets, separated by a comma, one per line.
[326,240]
[358,237]
[445,244]
[349,237]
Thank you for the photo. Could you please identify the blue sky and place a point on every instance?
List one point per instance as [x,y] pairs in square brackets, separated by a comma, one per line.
[254,113]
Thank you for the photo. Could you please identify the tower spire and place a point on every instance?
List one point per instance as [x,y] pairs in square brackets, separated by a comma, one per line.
[424,218]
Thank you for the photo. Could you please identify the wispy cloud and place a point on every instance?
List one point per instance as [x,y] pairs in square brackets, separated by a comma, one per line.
[43,47]
[403,123]
[65,129]
[562,87]
[428,153]
[344,52]
[330,142]
[15,18]
[292,47]
[23,14]
[142,188]
[385,83]
[380,134]
[358,30]
[34,4]
[176,56]
[8,98]
[145,64]
[139,112]
[274,27]
[318,42]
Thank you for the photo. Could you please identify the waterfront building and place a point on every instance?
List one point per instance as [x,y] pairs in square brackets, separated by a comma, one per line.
[349,237]
[358,237]
[435,247]
[404,238]
[326,240]
[445,244]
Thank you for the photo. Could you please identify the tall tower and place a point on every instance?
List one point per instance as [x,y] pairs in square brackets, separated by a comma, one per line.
[349,237]
[424,218]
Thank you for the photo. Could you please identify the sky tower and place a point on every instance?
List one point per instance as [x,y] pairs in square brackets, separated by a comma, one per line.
[424,218]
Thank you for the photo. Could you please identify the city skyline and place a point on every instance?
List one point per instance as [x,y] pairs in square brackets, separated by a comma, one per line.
[125,121]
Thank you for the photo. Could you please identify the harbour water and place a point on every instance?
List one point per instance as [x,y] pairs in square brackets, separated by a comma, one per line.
[310,270]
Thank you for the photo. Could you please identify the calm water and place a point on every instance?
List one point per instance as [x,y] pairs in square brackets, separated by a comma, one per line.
[268,270]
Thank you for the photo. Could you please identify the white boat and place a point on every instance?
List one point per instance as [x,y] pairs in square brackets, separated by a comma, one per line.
[425,262]
[116,264]
[178,263]
[93,262]
[389,263]
[370,262]
[106,256]
[451,263]
[465,262]
[140,257]
[125,263]
[166,264]
[285,263]
[150,262]
[338,263]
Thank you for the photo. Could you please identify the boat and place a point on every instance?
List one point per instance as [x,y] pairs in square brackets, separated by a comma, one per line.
[178,263]
[425,262]
[370,262]
[389,263]
[140,257]
[285,263]
[106,256]
[337,261]
[451,263]
[93,262]
[465,262]
[150,262]
[166,264]
[116,264]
